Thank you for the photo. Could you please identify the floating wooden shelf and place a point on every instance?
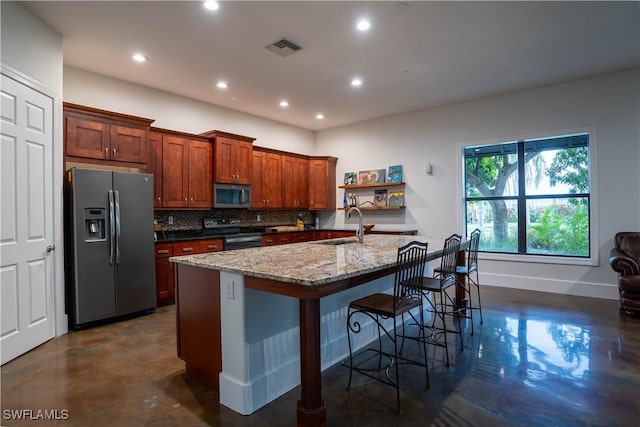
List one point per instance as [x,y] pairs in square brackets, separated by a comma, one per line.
[377,185]
[375,208]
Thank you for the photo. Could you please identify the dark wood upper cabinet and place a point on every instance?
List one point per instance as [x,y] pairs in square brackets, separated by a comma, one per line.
[200,174]
[322,183]
[129,144]
[186,173]
[104,137]
[295,182]
[232,157]
[266,180]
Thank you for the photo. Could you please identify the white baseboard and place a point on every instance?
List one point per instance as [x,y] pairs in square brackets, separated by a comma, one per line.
[246,398]
[566,287]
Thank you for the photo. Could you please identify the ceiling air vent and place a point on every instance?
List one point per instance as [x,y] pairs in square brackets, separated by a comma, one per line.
[283,47]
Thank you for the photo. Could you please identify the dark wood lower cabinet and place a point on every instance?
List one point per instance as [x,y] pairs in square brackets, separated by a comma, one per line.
[165,281]
[164,274]
[198,328]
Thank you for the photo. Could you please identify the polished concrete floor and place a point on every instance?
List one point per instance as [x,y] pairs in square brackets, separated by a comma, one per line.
[538,360]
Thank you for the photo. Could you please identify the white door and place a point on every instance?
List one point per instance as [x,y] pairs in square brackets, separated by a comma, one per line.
[26,219]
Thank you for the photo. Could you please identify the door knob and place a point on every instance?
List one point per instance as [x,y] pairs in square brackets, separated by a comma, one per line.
[51,248]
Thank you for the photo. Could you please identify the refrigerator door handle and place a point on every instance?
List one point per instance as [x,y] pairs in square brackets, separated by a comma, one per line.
[112,229]
[117,227]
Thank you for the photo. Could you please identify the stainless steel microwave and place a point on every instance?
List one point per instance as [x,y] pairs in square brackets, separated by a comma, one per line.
[231,195]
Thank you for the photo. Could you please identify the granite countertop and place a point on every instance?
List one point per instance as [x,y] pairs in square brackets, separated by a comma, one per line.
[311,263]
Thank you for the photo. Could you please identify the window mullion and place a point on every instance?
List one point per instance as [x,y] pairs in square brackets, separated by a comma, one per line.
[522,202]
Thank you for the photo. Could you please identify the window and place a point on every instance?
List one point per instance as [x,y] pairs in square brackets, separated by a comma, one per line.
[530,197]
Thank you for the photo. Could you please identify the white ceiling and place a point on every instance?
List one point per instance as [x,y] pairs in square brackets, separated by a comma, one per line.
[416,55]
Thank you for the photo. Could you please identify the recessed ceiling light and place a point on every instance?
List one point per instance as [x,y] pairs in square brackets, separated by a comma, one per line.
[138,57]
[363,25]
[222,85]
[319,116]
[284,103]
[355,82]
[211,5]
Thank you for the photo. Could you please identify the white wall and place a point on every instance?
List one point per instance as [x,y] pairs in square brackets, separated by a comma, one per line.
[178,113]
[31,53]
[30,47]
[608,106]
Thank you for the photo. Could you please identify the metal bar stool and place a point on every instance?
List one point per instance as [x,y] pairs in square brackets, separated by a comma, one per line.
[407,295]
[444,278]
[471,271]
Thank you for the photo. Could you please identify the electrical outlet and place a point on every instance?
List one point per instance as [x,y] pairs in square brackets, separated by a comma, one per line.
[258,218]
[170,220]
[230,288]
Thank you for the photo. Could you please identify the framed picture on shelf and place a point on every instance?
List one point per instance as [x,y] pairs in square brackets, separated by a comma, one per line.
[380,198]
[395,173]
[375,176]
[396,198]
[350,178]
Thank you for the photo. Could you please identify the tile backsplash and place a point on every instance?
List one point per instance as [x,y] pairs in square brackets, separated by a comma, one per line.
[192,220]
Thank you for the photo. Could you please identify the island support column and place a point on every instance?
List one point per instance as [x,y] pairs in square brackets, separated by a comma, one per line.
[312,410]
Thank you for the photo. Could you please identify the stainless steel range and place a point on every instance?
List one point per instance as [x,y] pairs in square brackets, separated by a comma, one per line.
[235,235]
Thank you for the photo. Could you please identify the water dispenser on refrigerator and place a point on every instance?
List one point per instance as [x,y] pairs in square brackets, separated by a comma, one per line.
[94,225]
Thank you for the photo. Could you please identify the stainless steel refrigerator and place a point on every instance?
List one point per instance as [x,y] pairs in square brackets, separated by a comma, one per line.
[109,245]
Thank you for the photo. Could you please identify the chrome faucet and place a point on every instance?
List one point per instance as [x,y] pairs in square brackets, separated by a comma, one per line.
[360,232]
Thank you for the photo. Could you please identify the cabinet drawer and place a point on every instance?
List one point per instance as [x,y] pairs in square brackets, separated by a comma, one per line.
[213,245]
[186,248]
[301,237]
[164,250]
[284,238]
[269,240]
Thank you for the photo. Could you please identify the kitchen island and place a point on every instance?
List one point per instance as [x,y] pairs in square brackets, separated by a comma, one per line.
[246,319]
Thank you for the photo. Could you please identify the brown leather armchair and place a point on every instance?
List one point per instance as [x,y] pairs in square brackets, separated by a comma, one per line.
[625,259]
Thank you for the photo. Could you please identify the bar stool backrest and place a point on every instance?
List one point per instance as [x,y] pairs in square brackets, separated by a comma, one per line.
[472,255]
[410,269]
[449,260]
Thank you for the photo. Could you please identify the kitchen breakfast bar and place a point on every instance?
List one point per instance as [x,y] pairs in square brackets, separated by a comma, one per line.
[250,321]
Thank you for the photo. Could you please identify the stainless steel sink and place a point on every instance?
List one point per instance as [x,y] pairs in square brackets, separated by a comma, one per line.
[337,242]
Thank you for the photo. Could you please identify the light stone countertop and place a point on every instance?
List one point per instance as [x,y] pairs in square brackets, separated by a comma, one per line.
[311,263]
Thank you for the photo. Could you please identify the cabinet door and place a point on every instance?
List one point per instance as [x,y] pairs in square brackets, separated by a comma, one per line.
[301,183]
[200,175]
[233,160]
[257,199]
[295,182]
[322,184]
[86,138]
[155,166]
[272,181]
[224,168]
[175,171]
[288,182]
[242,159]
[165,293]
[129,144]
[266,180]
